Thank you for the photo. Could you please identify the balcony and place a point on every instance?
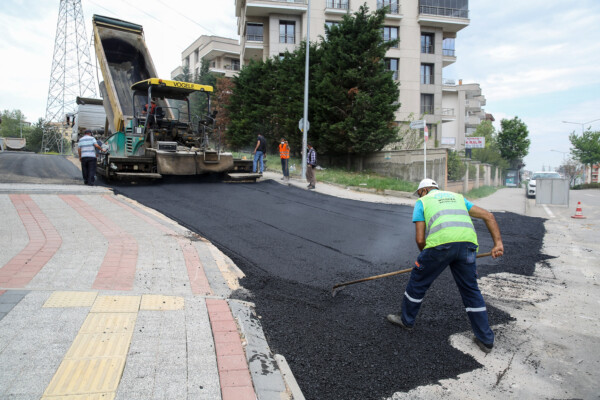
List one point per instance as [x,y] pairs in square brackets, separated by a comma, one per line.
[393,6]
[471,105]
[261,8]
[449,19]
[472,121]
[448,115]
[337,6]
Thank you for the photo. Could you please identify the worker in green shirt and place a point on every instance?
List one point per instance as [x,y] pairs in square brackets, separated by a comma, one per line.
[446,237]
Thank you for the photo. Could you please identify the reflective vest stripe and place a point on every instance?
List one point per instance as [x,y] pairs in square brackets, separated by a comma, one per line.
[479,309]
[438,214]
[411,299]
[450,224]
[447,210]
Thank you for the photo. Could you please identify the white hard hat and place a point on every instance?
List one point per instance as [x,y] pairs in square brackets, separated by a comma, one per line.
[426,183]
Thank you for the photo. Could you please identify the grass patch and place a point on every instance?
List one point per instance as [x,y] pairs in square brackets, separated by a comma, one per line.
[366,180]
[480,192]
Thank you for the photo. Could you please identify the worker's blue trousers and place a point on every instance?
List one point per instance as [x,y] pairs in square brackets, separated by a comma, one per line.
[431,263]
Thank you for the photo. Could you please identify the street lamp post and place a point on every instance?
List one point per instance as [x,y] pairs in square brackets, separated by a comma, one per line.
[563,153]
[581,123]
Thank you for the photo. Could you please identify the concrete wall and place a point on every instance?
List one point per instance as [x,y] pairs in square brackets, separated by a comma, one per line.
[408,164]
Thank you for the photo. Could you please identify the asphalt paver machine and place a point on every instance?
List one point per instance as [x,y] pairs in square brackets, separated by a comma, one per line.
[153,132]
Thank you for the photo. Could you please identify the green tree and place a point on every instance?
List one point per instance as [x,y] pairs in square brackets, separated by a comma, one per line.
[35,135]
[250,102]
[357,95]
[490,154]
[513,141]
[198,100]
[456,167]
[268,97]
[586,148]
[14,124]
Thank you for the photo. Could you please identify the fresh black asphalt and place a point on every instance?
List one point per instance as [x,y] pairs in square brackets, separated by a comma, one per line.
[23,167]
[294,245]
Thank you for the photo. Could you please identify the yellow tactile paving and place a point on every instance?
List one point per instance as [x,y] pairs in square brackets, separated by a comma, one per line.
[71,299]
[115,304]
[96,345]
[86,376]
[151,302]
[109,323]
[94,396]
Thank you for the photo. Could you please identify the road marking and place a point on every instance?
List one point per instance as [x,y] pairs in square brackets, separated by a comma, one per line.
[548,211]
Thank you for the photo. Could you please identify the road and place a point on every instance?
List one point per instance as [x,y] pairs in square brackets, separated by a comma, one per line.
[293,245]
[20,167]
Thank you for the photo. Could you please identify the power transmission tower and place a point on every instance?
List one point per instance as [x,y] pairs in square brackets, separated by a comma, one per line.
[71,73]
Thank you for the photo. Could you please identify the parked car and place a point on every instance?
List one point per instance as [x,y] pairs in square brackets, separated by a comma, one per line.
[540,175]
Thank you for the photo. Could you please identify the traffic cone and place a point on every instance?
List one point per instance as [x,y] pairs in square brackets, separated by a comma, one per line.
[578,212]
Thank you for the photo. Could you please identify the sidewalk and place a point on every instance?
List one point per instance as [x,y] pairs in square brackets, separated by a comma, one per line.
[102,298]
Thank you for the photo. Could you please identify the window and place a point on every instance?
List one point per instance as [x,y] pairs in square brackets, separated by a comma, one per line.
[426,104]
[391,64]
[329,24]
[448,47]
[235,64]
[287,32]
[391,4]
[390,33]
[427,40]
[254,32]
[427,74]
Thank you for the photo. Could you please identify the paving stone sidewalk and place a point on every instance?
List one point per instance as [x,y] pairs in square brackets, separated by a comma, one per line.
[102,298]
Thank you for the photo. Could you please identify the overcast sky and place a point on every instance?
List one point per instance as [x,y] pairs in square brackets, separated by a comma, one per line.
[535,59]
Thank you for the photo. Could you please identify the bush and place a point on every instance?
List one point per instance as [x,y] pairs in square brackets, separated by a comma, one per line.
[456,167]
[594,185]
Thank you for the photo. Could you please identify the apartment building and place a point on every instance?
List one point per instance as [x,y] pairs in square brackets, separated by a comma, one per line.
[462,112]
[426,29]
[222,54]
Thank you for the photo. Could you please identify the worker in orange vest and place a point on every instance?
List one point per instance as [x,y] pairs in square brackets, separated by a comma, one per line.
[284,154]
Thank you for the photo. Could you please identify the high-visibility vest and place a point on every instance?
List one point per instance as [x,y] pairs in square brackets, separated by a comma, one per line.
[447,219]
[284,150]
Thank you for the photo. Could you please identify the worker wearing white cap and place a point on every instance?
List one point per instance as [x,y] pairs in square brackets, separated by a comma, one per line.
[446,237]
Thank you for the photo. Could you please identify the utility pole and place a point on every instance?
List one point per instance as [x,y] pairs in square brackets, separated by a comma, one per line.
[71,74]
[306,78]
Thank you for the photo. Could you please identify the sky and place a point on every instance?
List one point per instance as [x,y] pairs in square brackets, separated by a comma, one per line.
[538,60]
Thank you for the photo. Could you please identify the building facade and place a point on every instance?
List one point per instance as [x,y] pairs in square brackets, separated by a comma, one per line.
[222,54]
[426,29]
[462,112]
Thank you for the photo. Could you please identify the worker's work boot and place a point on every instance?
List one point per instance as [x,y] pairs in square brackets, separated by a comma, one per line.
[397,320]
[486,348]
